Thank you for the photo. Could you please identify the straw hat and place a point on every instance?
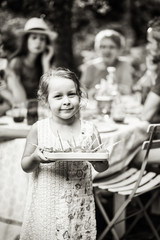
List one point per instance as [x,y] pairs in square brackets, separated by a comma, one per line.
[38,25]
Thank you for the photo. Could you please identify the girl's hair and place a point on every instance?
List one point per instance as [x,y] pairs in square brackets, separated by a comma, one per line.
[52,73]
[117,38]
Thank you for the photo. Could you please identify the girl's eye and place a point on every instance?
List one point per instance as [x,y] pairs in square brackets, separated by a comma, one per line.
[72,94]
[58,96]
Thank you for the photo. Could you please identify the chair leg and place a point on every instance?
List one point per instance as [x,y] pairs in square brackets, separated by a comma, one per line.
[142,209]
[106,218]
[120,225]
[149,220]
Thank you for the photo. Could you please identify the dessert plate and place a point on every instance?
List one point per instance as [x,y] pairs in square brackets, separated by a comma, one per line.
[76,156]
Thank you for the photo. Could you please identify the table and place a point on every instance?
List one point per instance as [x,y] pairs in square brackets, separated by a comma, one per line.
[13,181]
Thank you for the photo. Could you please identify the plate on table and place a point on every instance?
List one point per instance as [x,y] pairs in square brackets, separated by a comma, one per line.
[76,156]
[106,126]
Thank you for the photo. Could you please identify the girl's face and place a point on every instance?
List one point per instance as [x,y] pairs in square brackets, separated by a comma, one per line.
[36,43]
[108,50]
[62,98]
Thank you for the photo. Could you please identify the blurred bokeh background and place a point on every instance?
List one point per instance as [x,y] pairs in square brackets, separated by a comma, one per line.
[78,21]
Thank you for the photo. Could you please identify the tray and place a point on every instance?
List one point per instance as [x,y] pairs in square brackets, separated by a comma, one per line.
[76,156]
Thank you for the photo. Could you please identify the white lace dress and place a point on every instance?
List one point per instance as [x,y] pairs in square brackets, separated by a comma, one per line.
[60,203]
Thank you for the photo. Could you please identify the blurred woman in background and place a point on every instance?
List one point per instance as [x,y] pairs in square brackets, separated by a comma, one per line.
[34,57]
[109,46]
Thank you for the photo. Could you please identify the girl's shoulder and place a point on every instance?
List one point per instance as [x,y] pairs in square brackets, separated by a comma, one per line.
[43,125]
[42,122]
[32,132]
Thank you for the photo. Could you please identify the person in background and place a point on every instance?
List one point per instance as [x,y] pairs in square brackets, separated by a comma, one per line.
[109,45]
[152,103]
[33,57]
[60,191]
[7,47]
[147,81]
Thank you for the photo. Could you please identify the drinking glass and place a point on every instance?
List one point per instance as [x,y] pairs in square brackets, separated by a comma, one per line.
[18,112]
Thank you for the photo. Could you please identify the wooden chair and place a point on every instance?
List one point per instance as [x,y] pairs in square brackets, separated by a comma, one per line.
[131,183]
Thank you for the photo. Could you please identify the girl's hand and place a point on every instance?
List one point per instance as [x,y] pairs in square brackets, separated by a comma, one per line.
[46,57]
[38,156]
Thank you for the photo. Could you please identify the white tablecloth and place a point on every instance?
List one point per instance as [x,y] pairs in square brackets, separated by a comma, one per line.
[13,187]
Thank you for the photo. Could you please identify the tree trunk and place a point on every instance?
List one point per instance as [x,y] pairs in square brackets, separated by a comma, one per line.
[60,14]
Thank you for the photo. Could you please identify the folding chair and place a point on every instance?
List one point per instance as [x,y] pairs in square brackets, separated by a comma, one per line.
[131,183]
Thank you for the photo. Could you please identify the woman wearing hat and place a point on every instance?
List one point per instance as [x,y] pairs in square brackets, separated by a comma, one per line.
[32,59]
[108,46]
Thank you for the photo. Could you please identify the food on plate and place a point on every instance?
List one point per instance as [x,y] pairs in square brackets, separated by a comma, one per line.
[77,153]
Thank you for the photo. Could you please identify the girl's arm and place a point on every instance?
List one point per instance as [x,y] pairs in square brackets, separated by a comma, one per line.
[98,166]
[32,155]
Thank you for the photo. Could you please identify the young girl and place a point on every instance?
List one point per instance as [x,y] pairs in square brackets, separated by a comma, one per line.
[33,57]
[60,201]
